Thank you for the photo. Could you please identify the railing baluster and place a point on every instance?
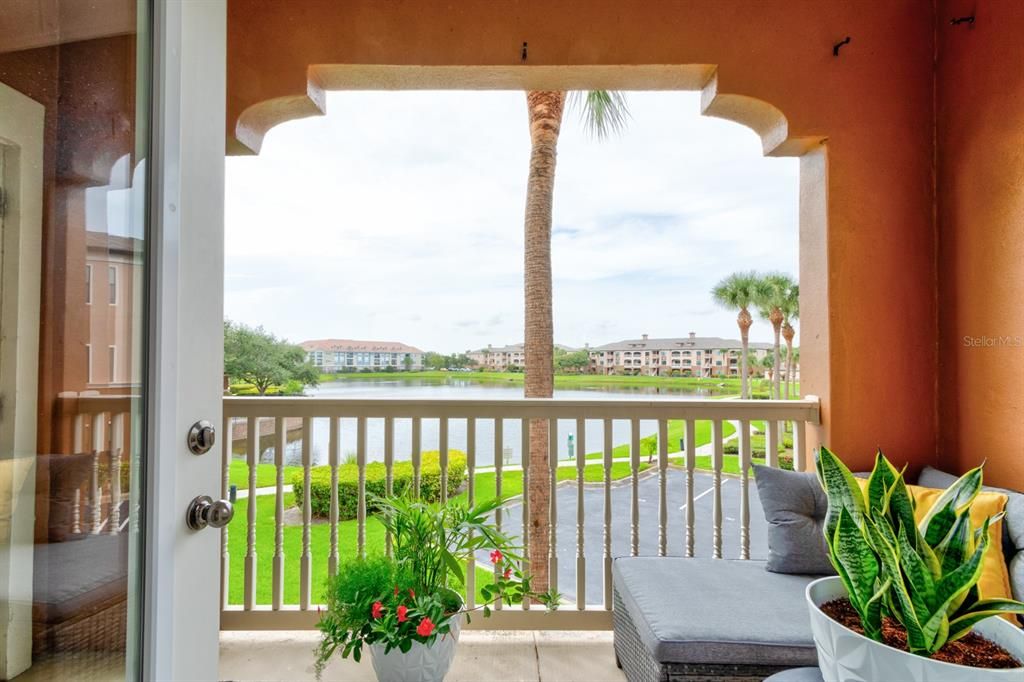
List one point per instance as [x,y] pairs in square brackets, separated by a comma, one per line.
[225,488]
[771,445]
[252,436]
[471,498]
[634,475]
[744,465]
[691,461]
[116,451]
[499,456]
[443,457]
[389,471]
[581,559]
[662,487]
[306,560]
[78,445]
[333,460]
[716,500]
[95,496]
[280,440]
[799,443]
[417,454]
[607,459]
[524,428]
[553,505]
[361,466]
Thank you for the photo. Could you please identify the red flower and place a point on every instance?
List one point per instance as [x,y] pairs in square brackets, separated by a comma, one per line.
[377,609]
[401,613]
[425,628]
[496,556]
[508,573]
[412,595]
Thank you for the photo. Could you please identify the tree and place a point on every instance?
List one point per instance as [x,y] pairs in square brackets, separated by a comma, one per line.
[407,362]
[790,312]
[739,291]
[575,362]
[256,356]
[774,291]
[603,112]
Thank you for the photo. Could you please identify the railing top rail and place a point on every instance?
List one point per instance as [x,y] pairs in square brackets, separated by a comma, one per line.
[806,409]
[93,403]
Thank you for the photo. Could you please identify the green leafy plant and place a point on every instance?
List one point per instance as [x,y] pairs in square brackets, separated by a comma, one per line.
[413,595]
[925,575]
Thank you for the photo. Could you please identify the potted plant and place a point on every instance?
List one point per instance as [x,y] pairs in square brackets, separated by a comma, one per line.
[905,603]
[407,607]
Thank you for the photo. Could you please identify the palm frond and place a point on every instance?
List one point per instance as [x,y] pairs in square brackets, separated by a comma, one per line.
[603,112]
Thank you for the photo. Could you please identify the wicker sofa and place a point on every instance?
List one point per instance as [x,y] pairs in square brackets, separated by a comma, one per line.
[702,619]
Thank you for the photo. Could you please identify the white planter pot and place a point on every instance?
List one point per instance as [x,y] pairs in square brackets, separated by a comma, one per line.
[845,656]
[422,663]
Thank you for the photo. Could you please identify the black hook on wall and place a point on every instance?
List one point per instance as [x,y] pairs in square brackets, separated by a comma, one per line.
[524,52]
[969,20]
[835,48]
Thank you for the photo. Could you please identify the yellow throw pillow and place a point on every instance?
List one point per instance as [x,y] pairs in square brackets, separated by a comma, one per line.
[995,578]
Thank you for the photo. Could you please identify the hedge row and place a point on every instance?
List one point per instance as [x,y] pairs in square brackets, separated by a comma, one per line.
[348,482]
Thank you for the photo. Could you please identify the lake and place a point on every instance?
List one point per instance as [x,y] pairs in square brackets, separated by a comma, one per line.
[460,388]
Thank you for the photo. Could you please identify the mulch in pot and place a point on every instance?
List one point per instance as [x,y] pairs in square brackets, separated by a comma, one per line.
[972,650]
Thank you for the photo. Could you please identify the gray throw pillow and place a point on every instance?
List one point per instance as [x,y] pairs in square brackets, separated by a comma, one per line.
[794,507]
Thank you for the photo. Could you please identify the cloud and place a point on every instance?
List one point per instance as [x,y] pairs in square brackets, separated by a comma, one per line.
[399,216]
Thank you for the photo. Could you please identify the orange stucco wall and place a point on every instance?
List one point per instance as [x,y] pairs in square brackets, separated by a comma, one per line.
[980,204]
[870,297]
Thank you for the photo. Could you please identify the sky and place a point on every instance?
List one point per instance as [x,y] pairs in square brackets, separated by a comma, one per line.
[398,216]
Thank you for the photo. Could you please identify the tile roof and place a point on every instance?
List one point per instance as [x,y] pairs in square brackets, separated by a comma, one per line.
[353,346]
[697,342]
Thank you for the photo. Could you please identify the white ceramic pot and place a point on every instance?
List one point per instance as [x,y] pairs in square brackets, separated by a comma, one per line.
[845,656]
[422,663]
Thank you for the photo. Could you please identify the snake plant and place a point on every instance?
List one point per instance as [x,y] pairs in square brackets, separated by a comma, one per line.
[925,575]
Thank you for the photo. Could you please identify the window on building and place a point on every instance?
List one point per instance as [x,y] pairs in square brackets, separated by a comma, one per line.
[88,363]
[88,285]
[112,362]
[112,279]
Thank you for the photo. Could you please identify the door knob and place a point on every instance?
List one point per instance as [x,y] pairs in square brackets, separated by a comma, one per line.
[201,437]
[203,511]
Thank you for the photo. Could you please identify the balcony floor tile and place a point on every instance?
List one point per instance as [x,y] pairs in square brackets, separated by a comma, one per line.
[482,655]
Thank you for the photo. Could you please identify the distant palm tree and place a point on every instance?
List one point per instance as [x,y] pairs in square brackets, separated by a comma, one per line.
[796,361]
[790,312]
[739,291]
[773,292]
[603,113]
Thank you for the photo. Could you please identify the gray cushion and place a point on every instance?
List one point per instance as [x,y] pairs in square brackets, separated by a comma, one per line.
[794,506]
[716,611]
[797,675]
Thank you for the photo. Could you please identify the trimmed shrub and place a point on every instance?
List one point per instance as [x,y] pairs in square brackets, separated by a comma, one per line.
[348,483]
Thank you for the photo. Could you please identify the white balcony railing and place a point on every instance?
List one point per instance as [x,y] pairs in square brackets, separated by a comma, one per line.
[410,427]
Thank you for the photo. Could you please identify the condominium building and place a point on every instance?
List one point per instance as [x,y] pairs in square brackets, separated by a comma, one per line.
[504,358]
[698,356]
[347,355]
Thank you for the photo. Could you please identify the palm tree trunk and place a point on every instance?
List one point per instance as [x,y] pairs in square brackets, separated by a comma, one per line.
[545,116]
[744,320]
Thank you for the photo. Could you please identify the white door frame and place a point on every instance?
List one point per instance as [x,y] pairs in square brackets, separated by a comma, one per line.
[21,176]
[181,605]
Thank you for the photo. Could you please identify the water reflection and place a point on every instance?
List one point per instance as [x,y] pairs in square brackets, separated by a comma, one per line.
[455,388]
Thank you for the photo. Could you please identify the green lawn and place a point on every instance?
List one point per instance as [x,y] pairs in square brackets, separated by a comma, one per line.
[266,474]
[320,535]
[676,428]
[561,381]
